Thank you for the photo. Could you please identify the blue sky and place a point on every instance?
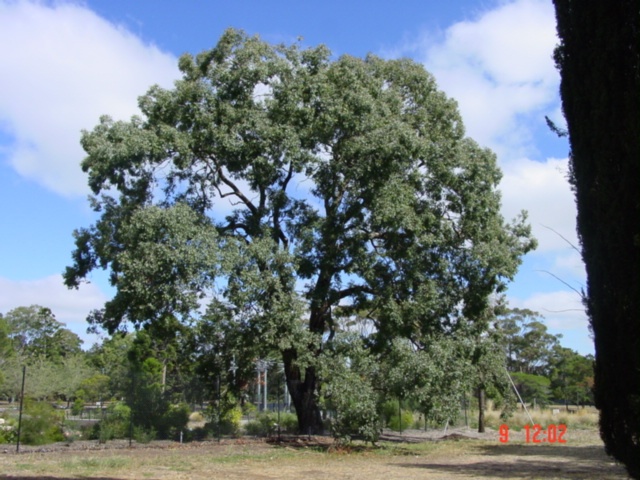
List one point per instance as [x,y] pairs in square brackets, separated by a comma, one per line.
[66,63]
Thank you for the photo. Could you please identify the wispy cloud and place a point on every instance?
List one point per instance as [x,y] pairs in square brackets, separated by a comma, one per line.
[64,66]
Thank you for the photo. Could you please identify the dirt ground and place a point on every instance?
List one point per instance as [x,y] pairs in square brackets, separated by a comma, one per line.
[438,455]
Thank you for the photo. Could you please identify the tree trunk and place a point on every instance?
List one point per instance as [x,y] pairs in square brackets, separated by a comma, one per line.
[303,392]
[481,408]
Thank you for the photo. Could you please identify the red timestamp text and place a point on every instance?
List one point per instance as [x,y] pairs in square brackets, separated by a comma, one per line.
[536,434]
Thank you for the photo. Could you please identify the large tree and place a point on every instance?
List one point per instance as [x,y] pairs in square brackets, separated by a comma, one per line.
[282,183]
[599,62]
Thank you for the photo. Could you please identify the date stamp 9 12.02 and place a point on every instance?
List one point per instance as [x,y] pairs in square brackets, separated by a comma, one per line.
[536,434]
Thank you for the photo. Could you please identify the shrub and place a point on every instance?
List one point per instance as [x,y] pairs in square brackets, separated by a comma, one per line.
[196,417]
[41,424]
[114,425]
[401,422]
[8,431]
[142,435]
[174,420]
[228,413]
[78,406]
[265,424]
[288,422]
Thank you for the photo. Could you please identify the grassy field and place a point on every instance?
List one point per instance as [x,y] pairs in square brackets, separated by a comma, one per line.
[454,456]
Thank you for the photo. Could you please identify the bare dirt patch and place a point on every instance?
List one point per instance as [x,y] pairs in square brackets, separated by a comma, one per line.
[437,455]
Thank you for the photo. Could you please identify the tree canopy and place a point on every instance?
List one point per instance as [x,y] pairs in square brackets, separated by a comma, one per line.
[34,331]
[275,184]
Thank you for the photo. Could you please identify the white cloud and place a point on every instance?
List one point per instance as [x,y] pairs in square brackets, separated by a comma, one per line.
[499,69]
[543,190]
[571,263]
[70,307]
[63,67]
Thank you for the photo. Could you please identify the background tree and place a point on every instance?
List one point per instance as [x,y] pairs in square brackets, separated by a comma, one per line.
[351,177]
[34,331]
[529,346]
[111,358]
[599,62]
[572,376]
[6,347]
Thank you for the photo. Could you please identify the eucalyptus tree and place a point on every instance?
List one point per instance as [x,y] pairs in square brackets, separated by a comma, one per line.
[282,183]
[34,332]
[530,348]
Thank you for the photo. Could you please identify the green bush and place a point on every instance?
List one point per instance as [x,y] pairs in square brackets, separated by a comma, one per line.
[114,425]
[8,430]
[401,422]
[78,406]
[266,423]
[288,422]
[142,435]
[228,413]
[174,421]
[249,409]
[388,409]
[41,424]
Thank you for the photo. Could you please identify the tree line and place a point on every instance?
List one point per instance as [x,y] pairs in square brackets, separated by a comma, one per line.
[161,375]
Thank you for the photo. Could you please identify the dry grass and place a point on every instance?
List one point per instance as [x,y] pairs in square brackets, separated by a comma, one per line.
[456,458]
[583,418]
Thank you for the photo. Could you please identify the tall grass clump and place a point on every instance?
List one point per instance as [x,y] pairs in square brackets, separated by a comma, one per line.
[582,418]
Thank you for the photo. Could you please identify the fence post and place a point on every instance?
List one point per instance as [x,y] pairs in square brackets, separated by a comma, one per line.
[24,371]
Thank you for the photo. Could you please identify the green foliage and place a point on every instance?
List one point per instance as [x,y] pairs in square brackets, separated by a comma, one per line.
[110,358]
[8,430]
[174,421]
[288,422]
[533,388]
[34,332]
[572,377]
[396,200]
[265,424]
[400,422]
[41,424]
[144,435]
[229,421]
[348,391]
[6,347]
[529,346]
[95,388]
[115,424]
[433,378]
[78,403]
[150,407]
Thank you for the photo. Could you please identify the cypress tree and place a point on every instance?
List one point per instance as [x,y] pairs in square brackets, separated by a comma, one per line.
[599,64]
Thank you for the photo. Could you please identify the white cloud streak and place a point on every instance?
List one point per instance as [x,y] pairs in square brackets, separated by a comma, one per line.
[63,67]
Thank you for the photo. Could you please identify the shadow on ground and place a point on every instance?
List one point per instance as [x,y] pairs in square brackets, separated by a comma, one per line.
[527,461]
